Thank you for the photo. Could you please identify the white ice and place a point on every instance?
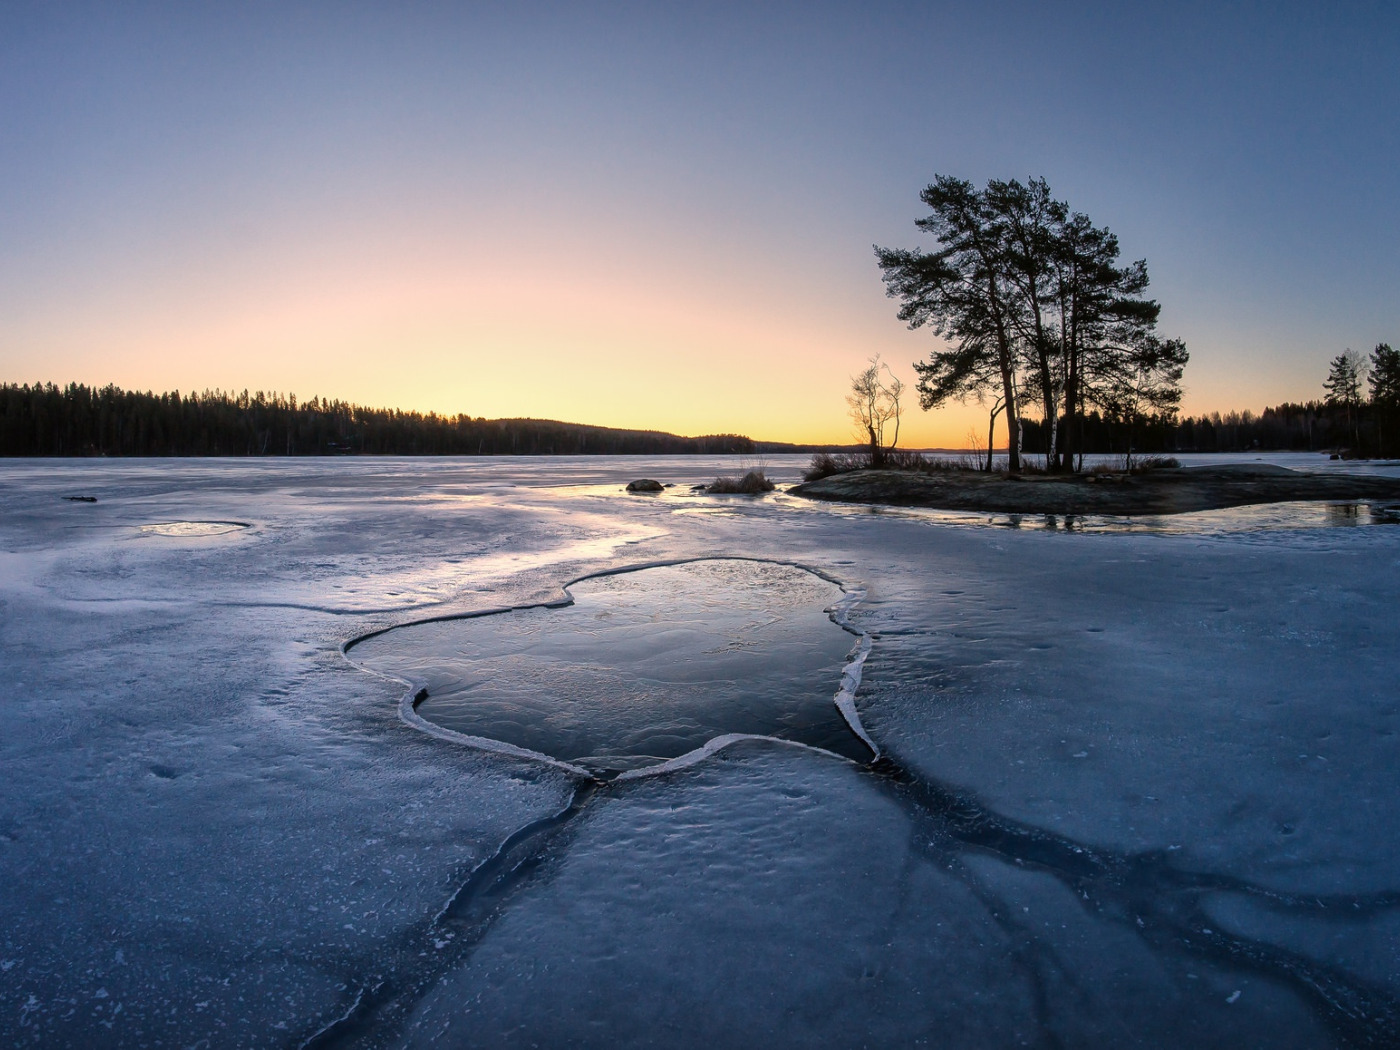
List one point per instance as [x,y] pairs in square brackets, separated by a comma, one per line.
[213,827]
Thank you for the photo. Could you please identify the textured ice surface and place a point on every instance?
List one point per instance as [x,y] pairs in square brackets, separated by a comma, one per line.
[1232,702]
[776,897]
[1131,776]
[642,667]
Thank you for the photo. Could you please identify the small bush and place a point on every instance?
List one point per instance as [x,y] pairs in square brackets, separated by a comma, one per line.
[1032,465]
[751,484]
[913,462]
[1146,463]
[917,462]
[824,464]
[1140,466]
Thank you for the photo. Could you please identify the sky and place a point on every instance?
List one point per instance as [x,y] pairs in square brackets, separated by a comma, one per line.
[661,216]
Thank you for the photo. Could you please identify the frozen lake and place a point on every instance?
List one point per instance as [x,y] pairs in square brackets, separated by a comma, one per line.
[640,667]
[1137,784]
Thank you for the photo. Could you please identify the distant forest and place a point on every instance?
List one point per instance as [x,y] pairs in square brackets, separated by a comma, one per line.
[1312,426]
[1351,420]
[78,420]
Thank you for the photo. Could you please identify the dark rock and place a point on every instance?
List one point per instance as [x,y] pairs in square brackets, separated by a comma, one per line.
[645,485]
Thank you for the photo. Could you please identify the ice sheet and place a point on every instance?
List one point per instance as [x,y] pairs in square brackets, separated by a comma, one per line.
[801,902]
[640,667]
[213,820]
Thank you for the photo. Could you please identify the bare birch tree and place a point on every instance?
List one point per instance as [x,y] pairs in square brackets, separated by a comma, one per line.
[874,403]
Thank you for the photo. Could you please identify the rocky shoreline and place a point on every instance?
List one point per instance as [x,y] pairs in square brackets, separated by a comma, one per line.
[1161,491]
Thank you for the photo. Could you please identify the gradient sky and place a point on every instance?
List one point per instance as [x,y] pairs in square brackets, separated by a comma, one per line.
[661,216]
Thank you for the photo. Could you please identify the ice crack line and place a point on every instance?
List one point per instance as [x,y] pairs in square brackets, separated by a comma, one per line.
[383,1004]
[1162,905]
[416,691]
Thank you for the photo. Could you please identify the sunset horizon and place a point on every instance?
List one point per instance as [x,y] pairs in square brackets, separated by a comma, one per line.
[663,221]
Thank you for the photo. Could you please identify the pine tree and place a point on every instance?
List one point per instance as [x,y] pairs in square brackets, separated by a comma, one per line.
[1385,396]
[1385,376]
[1343,386]
[1032,305]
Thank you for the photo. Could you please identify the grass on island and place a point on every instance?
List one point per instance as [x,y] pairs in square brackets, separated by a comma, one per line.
[826,464]
[754,483]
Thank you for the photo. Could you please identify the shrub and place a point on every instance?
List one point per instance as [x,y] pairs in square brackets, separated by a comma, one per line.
[824,464]
[1140,466]
[917,462]
[1146,463]
[751,484]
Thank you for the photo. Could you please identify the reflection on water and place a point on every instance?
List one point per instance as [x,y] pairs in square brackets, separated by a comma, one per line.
[1260,517]
[645,666]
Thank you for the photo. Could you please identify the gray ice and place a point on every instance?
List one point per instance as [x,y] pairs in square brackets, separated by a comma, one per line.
[1139,785]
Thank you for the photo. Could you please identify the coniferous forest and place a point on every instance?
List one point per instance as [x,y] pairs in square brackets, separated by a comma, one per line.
[1311,426]
[78,420]
[1358,417]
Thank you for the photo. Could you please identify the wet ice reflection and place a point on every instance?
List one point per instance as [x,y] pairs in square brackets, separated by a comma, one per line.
[195,529]
[645,666]
[1250,518]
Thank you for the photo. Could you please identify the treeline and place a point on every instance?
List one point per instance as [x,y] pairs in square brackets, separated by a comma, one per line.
[78,420]
[1359,417]
[1313,426]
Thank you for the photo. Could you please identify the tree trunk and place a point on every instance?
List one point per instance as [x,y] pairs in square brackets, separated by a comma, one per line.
[1008,393]
[1071,413]
[1013,427]
[1049,409]
[1007,365]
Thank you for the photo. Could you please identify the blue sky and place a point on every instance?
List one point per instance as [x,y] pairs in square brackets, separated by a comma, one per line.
[660,216]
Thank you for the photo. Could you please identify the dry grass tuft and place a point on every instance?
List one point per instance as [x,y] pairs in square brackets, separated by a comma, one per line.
[751,484]
[1146,463]
[824,464]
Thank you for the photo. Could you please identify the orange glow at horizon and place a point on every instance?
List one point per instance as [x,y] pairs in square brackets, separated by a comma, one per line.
[487,330]
[658,219]
[501,317]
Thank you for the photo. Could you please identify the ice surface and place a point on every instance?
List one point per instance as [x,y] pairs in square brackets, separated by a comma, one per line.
[800,902]
[1177,750]
[1230,701]
[642,667]
[192,528]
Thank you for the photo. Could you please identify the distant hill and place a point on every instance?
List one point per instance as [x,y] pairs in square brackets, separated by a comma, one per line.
[78,420]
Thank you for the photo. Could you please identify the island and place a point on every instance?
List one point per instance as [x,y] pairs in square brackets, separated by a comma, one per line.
[1169,490]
